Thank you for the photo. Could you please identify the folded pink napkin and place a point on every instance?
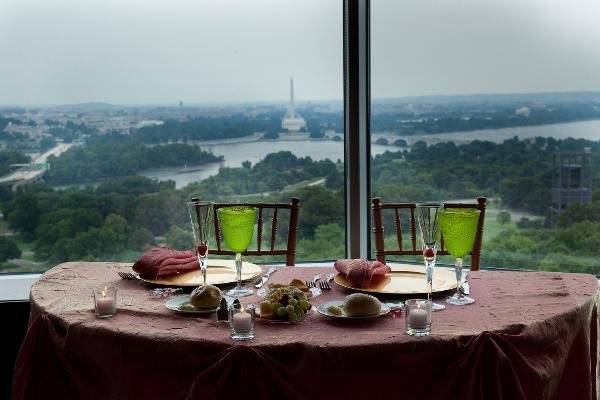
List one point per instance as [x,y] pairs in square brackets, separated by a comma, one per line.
[360,273]
[163,261]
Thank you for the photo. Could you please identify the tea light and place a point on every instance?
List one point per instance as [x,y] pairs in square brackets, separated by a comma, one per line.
[105,301]
[418,317]
[241,322]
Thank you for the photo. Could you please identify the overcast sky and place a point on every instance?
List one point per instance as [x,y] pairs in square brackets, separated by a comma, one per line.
[163,51]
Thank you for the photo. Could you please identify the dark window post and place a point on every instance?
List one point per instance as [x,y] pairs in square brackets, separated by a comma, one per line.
[357,153]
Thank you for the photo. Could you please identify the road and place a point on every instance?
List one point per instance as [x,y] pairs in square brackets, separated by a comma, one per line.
[37,167]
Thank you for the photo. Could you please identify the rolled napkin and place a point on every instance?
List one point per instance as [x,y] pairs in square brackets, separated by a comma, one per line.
[360,273]
[163,261]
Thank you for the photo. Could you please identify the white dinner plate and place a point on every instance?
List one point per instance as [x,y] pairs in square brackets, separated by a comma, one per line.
[322,309]
[181,304]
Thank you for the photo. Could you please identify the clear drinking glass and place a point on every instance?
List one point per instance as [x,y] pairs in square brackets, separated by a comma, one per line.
[237,226]
[428,216]
[201,213]
[459,228]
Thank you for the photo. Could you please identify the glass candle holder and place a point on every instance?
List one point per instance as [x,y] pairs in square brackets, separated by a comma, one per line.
[418,317]
[241,322]
[105,301]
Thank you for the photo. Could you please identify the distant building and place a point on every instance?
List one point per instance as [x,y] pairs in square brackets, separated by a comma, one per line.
[180,103]
[571,180]
[292,121]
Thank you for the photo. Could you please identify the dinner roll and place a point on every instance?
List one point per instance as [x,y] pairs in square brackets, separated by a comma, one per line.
[361,305]
[206,296]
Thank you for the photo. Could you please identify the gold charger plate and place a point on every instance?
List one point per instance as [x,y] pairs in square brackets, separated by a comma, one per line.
[219,272]
[406,279]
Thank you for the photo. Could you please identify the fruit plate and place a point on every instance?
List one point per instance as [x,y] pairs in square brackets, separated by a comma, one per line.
[406,279]
[181,304]
[282,321]
[219,272]
[322,309]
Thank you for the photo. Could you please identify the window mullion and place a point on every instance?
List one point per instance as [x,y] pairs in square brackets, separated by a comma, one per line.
[357,136]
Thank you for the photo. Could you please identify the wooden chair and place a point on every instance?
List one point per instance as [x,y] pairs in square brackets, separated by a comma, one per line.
[378,230]
[270,250]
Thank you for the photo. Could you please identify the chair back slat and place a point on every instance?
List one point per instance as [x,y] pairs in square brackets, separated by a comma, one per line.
[398,227]
[217,230]
[289,251]
[381,252]
[378,229]
[293,231]
[273,229]
[413,229]
[259,229]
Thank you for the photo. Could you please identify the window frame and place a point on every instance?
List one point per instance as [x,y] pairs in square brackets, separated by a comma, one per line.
[357,145]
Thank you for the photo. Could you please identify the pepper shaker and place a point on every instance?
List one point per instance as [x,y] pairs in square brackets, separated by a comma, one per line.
[223,312]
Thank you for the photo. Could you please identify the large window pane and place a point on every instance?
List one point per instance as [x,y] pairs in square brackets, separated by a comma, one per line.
[114,113]
[496,99]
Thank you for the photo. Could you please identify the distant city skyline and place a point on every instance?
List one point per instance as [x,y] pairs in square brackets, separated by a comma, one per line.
[231,51]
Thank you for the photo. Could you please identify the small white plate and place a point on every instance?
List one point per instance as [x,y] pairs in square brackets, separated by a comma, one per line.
[176,303]
[322,308]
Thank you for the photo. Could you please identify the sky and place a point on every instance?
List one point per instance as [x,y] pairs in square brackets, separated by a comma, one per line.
[213,51]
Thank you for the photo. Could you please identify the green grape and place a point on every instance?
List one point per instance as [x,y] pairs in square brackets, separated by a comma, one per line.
[305,305]
[293,316]
[293,302]
[289,308]
[265,307]
[281,312]
[276,305]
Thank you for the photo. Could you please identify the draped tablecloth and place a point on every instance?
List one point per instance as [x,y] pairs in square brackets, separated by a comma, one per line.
[529,336]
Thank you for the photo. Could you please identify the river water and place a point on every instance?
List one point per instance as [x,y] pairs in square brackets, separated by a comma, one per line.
[236,153]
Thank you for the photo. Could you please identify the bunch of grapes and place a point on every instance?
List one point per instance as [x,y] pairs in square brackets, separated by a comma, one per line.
[285,303]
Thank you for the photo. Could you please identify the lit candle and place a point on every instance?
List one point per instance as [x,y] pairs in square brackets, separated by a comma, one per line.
[106,305]
[242,321]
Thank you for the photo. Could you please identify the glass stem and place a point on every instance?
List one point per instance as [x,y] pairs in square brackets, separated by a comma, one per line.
[429,270]
[203,267]
[238,268]
[458,266]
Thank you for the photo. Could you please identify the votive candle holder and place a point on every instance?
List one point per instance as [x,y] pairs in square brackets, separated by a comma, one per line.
[241,322]
[418,317]
[105,301]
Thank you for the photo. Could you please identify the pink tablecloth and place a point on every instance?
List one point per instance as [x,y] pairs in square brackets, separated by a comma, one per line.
[529,336]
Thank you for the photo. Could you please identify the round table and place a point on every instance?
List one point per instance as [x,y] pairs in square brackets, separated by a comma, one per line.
[530,335]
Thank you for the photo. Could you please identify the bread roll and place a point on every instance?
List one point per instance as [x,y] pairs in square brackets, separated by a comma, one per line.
[361,305]
[206,296]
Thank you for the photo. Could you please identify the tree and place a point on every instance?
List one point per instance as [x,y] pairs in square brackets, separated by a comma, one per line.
[140,239]
[23,214]
[180,239]
[8,249]
[503,217]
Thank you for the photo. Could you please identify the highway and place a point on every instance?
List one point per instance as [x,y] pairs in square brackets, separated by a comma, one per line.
[36,169]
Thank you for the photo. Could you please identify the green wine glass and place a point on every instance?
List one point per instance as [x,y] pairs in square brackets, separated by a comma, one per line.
[459,228]
[237,226]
